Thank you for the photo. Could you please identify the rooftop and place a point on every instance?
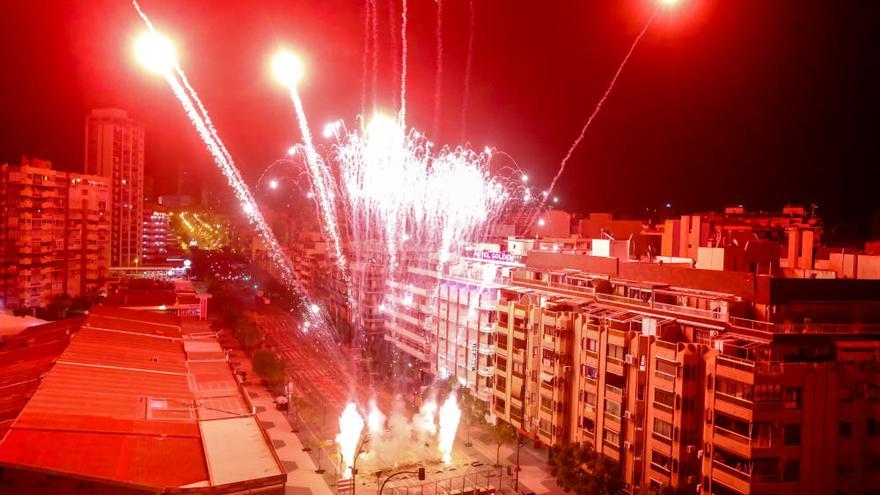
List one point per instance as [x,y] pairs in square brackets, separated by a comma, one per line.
[142,400]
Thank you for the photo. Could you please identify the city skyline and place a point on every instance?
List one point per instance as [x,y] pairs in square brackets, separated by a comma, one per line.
[704,101]
[460,247]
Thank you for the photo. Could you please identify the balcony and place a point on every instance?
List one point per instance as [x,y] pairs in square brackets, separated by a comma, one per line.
[487,349]
[734,406]
[617,391]
[733,477]
[733,442]
[485,371]
[739,369]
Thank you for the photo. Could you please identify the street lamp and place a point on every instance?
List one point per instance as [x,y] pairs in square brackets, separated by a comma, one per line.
[420,472]
[360,450]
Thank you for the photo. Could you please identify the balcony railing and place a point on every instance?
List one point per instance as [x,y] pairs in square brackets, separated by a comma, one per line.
[614,390]
[733,471]
[739,401]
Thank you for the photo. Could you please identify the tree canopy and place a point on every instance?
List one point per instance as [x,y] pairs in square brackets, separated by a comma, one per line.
[579,469]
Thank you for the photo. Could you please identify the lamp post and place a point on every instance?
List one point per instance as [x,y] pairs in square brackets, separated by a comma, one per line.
[360,450]
[420,472]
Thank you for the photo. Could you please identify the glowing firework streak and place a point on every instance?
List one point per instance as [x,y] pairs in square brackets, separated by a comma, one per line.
[368,10]
[438,76]
[167,65]
[450,415]
[599,104]
[374,16]
[467,70]
[288,71]
[351,424]
[403,53]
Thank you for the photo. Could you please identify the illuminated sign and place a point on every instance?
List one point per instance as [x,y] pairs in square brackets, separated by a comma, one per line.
[496,256]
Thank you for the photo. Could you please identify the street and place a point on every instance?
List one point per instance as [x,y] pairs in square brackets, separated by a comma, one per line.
[324,377]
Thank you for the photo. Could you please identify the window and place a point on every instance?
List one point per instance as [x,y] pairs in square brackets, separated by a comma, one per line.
[612,408]
[666,367]
[792,434]
[611,437]
[589,371]
[845,429]
[792,398]
[768,393]
[590,398]
[592,345]
[662,428]
[871,426]
[615,351]
[501,383]
[660,460]
[664,397]
[734,388]
[588,424]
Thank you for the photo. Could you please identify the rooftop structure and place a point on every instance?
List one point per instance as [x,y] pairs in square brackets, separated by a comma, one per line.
[140,403]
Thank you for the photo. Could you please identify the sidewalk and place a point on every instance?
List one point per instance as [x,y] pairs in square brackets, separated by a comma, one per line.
[535,474]
[301,476]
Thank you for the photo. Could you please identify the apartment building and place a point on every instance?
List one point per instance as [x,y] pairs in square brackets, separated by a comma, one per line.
[674,384]
[54,233]
[158,240]
[114,147]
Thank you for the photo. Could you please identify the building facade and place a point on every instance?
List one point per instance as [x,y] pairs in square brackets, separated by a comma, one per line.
[115,149]
[54,233]
[683,395]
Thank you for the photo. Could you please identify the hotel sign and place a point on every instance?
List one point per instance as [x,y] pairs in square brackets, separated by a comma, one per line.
[502,257]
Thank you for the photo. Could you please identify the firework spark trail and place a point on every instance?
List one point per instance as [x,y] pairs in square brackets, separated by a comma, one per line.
[438,75]
[467,70]
[322,180]
[366,57]
[403,53]
[395,51]
[596,110]
[197,114]
[374,17]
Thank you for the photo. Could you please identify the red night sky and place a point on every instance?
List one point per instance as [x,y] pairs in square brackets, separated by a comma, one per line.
[738,101]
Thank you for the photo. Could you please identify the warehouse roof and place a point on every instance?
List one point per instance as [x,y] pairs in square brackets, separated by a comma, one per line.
[142,399]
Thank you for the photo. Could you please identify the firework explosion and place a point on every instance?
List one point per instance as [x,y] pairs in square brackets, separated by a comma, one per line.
[384,187]
[396,439]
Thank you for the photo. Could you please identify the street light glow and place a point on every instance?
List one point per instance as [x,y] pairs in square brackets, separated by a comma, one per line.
[287,68]
[155,52]
[668,2]
[273,184]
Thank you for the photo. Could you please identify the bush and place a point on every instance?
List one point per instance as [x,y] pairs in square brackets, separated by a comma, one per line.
[270,368]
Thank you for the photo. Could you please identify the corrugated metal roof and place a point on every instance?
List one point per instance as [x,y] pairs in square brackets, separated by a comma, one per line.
[124,402]
[146,460]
